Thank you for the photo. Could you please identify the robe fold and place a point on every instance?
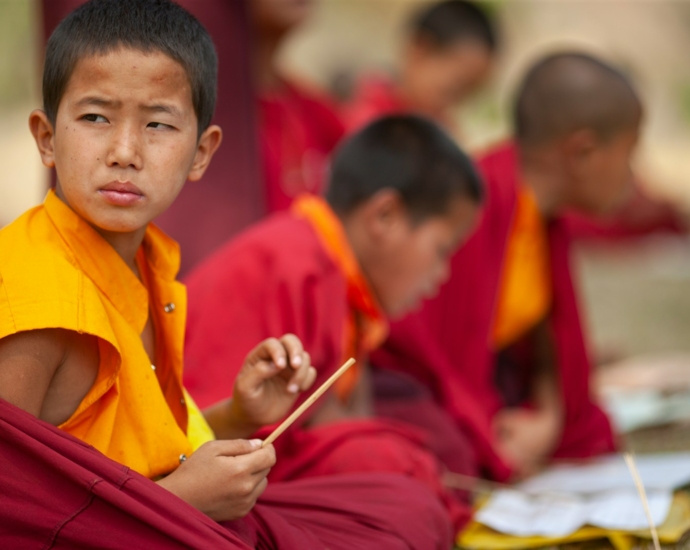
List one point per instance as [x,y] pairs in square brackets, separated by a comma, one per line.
[280,277]
[448,345]
[58,492]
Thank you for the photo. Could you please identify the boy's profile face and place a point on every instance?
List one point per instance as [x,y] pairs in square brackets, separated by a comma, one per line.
[449,75]
[125,138]
[411,260]
[603,177]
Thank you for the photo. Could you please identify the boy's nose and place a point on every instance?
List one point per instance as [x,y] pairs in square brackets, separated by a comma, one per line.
[125,150]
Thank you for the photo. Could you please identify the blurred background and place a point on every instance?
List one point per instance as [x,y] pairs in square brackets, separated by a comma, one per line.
[636,299]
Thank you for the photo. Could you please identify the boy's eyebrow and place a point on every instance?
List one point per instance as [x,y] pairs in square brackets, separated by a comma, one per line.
[162,108]
[98,102]
[154,108]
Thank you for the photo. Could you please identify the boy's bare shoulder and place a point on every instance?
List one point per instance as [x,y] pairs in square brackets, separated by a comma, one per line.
[48,372]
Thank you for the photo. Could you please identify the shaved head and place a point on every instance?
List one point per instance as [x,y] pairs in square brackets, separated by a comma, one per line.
[566,92]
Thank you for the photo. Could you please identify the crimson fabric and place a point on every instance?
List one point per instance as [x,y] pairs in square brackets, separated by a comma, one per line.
[641,216]
[447,345]
[298,129]
[402,398]
[278,278]
[60,493]
[230,195]
[375,96]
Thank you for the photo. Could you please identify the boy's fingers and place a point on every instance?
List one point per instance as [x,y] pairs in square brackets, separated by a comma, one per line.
[263,459]
[235,447]
[309,380]
[294,349]
[272,349]
[298,379]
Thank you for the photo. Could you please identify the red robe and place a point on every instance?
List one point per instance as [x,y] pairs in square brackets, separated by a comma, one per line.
[447,344]
[298,131]
[374,97]
[278,278]
[58,492]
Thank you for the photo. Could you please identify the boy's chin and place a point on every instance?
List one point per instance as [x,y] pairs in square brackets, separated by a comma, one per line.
[119,224]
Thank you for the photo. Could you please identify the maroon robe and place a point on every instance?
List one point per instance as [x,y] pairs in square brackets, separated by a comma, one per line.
[299,128]
[277,278]
[58,492]
[447,345]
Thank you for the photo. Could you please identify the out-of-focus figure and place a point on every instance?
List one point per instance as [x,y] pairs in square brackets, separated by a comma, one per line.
[502,346]
[447,57]
[298,126]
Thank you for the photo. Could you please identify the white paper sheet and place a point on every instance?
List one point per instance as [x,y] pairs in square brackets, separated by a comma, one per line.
[523,515]
[600,492]
[660,472]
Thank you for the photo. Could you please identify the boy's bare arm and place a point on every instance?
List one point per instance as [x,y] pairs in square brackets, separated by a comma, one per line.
[28,362]
[47,372]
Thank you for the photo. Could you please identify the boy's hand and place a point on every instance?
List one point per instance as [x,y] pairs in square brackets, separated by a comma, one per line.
[526,438]
[223,479]
[272,377]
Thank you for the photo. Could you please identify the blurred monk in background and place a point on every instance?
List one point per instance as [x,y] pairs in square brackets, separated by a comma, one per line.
[402,196]
[501,348]
[298,126]
[448,55]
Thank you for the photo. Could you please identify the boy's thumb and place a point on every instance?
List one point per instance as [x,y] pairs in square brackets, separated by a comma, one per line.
[237,447]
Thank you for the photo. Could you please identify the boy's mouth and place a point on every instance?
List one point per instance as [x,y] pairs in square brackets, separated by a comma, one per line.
[121,193]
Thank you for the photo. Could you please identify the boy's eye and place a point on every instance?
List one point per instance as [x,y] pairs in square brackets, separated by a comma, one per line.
[91,117]
[159,126]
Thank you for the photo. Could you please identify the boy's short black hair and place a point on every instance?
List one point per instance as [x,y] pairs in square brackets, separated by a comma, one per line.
[445,22]
[409,154]
[100,26]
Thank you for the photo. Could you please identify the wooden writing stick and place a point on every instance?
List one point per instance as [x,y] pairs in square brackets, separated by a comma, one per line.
[308,403]
[630,461]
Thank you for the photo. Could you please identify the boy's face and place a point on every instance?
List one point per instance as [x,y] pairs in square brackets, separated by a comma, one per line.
[411,260]
[602,178]
[125,139]
[444,77]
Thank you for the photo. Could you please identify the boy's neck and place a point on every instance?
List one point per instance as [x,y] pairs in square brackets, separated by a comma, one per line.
[542,173]
[125,244]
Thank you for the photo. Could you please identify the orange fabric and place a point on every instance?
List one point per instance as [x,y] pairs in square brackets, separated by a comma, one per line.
[56,271]
[366,327]
[524,296]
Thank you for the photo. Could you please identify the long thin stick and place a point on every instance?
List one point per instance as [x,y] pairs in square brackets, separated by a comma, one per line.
[308,403]
[630,461]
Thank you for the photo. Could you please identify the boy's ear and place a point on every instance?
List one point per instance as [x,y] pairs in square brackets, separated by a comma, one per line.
[43,132]
[382,211]
[208,144]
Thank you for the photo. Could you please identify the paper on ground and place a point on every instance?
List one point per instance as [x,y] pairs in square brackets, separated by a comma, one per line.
[523,515]
[659,472]
[599,492]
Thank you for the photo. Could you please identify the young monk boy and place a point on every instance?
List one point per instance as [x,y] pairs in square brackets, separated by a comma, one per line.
[92,319]
[447,57]
[401,198]
[502,345]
